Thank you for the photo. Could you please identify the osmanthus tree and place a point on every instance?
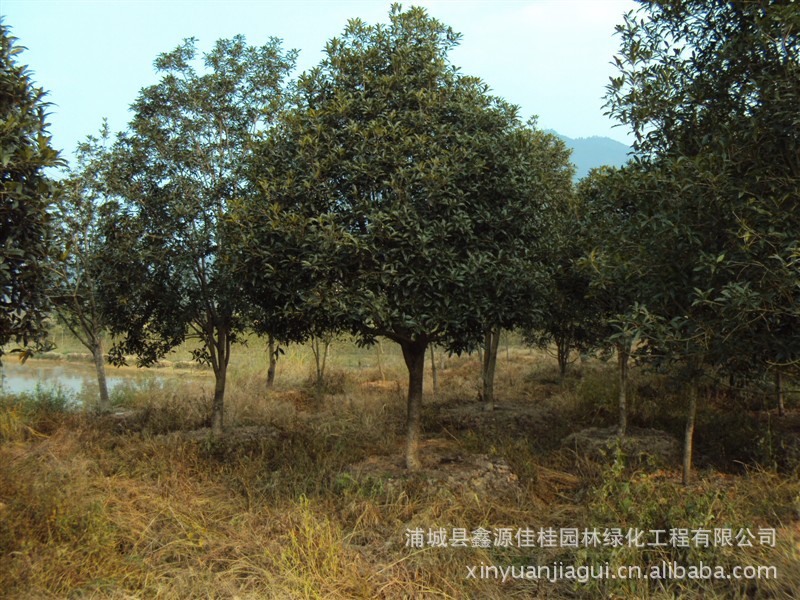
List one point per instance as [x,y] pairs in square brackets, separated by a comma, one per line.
[399,200]
[540,271]
[609,208]
[26,193]
[711,91]
[176,170]
[565,315]
[77,248]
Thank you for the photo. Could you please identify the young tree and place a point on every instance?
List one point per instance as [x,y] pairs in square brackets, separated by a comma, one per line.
[548,164]
[177,169]
[566,315]
[608,203]
[404,197]
[711,91]
[77,247]
[26,193]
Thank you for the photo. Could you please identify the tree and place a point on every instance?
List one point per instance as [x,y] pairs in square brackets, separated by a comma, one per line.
[77,251]
[403,198]
[320,346]
[609,206]
[567,315]
[711,91]
[26,193]
[547,163]
[179,166]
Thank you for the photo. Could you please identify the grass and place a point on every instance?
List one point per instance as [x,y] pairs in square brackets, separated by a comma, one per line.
[146,504]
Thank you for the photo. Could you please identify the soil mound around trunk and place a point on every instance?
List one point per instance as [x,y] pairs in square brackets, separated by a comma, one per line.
[444,465]
[639,446]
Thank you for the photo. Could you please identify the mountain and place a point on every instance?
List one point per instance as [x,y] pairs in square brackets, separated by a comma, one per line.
[591,152]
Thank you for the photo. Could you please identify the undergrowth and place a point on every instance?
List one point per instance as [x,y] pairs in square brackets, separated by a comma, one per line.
[145,502]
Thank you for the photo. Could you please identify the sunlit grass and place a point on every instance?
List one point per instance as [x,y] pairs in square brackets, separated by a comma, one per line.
[146,503]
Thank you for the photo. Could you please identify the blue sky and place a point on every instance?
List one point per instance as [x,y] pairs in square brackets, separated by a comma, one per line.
[550,57]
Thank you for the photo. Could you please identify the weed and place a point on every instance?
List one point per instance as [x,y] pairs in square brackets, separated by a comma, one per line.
[655,504]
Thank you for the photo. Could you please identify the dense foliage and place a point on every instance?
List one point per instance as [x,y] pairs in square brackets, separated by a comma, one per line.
[711,91]
[415,204]
[26,192]
[176,171]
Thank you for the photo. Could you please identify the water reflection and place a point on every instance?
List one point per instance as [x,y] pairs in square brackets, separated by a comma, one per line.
[76,379]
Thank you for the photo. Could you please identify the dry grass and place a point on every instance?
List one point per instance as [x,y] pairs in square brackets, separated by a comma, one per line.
[149,505]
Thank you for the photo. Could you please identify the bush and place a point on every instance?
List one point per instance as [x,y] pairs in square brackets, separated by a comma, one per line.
[656,501]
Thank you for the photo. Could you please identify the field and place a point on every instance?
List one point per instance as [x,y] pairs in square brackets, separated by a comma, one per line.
[305,497]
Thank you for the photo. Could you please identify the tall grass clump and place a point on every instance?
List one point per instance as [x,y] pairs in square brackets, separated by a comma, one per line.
[34,413]
[655,501]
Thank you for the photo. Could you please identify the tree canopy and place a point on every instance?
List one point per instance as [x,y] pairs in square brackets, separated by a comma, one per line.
[177,169]
[78,247]
[711,91]
[416,201]
[26,192]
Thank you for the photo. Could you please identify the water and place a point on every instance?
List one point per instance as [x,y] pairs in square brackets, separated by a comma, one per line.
[78,380]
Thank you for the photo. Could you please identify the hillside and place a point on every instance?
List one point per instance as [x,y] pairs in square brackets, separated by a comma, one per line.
[596,151]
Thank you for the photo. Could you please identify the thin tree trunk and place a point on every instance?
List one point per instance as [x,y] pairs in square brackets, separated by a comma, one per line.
[779,393]
[273,360]
[320,372]
[414,355]
[688,441]
[319,346]
[326,347]
[562,354]
[623,353]
[100,367]
[218,405]
[492,339]
[434,376]
[380,361]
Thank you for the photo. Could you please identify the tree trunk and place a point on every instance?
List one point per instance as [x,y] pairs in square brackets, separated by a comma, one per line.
[273,361]
[562,354]
[434,376]
[100,367]
[779,393]
[320,349]
[325,355]
[218,405]
[491,341]
[220,358]
[688,441]
[623,352]
[414,355]
[380,361]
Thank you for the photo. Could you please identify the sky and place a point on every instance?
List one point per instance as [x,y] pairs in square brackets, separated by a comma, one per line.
[552,58]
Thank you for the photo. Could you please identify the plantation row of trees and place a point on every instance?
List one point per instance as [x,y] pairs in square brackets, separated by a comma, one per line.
[386,194]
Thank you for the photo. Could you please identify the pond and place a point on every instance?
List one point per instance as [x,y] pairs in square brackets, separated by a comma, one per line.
[79,380]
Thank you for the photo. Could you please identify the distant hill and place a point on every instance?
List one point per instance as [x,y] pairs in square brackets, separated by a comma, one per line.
[591,152]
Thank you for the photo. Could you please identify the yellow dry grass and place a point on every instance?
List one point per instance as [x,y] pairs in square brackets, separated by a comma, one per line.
[149,505]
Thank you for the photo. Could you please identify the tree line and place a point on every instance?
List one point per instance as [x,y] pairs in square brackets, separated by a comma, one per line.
[386,194]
